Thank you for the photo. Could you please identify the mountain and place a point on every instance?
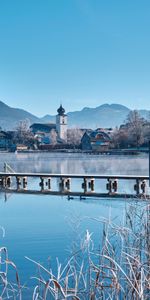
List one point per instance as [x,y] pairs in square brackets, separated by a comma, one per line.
[10,117]
[48,118]
[106,115]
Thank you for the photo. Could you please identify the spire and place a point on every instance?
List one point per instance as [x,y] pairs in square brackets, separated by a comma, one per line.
[61,110]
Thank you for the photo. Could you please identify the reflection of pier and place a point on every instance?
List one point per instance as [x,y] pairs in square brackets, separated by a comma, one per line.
[66,184]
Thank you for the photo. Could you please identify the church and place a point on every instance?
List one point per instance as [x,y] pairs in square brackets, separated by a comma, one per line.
[61,123]
[60,127]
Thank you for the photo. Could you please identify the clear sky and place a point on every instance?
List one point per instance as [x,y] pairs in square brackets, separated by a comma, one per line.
[75,52]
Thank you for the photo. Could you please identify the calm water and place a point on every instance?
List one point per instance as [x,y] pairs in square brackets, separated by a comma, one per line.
[44,227]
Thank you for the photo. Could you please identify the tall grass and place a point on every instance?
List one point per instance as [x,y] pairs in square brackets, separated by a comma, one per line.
[118,269]
[8,289]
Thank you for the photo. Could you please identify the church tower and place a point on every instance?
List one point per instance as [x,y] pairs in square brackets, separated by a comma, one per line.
[61,123]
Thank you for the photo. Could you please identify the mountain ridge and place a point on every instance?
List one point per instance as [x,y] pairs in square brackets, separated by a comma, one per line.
[105,115]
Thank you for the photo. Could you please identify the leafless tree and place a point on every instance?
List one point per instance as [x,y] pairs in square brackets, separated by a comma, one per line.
[23,134]
[74,136]
[119,138]
[53,137]
[146,130]
[135,132]
[135,128]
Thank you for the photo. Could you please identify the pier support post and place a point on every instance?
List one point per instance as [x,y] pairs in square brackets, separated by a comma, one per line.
[115,185]
[65,184]
[18,182]
[112,186]
[85,184]
[143,187]
[62,184]
[41,183]
[137,187]
[68,183]
[7,181]
[24,182]
[109,185]
[92,184]
[48,183]
[3,181]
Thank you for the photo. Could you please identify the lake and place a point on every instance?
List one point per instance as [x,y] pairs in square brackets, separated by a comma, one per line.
[45,227]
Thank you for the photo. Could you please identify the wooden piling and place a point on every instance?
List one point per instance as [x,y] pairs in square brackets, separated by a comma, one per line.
[85,184]
[87,187]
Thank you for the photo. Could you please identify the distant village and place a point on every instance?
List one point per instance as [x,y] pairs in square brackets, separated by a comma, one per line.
[133,134]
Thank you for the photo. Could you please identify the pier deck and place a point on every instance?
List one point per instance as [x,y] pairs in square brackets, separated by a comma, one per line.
[21,174]
[82,185]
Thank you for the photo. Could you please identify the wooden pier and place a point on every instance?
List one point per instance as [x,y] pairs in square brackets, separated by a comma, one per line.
[81,185]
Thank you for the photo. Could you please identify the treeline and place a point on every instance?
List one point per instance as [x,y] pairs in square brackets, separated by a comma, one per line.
[135,132]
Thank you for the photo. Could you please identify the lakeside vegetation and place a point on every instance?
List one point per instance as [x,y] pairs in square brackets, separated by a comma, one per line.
[134,134]
[118,269]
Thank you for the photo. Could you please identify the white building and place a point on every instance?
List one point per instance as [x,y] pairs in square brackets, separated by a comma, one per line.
[56,130]
[61,123]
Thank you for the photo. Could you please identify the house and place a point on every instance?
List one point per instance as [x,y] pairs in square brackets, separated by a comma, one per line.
[6,141]
[21,147]
[44,128]
[96,140]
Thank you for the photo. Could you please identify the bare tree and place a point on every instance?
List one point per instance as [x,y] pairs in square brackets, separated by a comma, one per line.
[135,132]
[74,136]
[135,128]
[23,134]
[146,131]
[53,137]
[119,138]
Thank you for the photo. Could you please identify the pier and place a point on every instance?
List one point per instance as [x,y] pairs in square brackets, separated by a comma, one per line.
[81,185]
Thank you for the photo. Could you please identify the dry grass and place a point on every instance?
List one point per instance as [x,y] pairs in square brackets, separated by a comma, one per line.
[119,269]
[8,289]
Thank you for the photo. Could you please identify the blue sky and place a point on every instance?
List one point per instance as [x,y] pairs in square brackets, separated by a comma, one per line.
[75,52]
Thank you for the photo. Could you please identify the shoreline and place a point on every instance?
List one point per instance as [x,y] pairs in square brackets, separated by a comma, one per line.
[109,152]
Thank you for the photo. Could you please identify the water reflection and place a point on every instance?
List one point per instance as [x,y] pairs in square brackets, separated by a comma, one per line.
[76,163]
[43,227]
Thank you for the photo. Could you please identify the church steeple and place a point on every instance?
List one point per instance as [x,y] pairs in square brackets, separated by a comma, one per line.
[61,110]
[61,123]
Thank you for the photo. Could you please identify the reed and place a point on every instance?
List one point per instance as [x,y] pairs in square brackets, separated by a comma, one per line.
[8,289]
[119,269]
